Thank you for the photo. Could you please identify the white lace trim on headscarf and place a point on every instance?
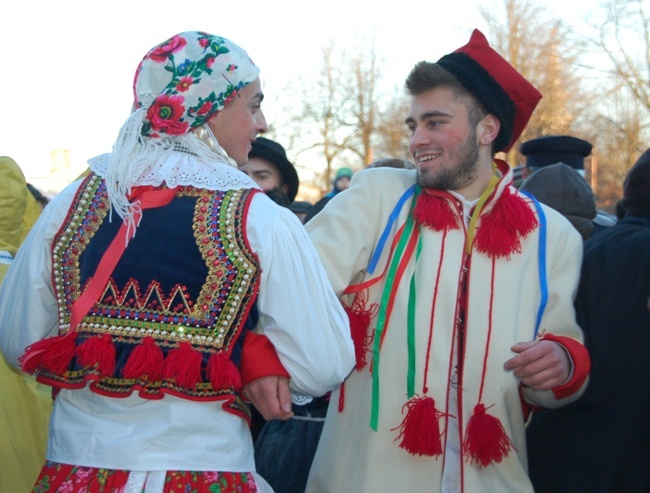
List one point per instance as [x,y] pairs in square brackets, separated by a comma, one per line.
[175,161]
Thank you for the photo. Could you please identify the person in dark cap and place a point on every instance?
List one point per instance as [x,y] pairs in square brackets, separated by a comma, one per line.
[602,441]
[269,167]
[561,188]
[552,149]
[548,150]
[459,324]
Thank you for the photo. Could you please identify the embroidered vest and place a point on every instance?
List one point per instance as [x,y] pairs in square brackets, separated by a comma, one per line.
[169,317]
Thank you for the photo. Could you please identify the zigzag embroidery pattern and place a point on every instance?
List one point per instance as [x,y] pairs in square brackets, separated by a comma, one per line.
[153,298]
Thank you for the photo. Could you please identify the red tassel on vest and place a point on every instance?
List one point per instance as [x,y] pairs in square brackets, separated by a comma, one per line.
[145,361]
[184,365]
[98,351]
[223,373]
[360,315]
[53,354]
[434,212]
[420,430]
[485,439]
[501,231]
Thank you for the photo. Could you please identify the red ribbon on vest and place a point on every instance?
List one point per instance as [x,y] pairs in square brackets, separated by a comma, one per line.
[149,198]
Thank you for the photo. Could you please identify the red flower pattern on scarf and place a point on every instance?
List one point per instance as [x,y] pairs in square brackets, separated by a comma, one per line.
[165,115]
[184,84]
[162,52]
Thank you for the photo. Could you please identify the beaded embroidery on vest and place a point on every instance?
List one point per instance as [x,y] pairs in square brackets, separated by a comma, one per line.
[165,337]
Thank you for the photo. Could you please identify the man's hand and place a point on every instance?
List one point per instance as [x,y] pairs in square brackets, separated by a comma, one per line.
[271,396]
[540,365]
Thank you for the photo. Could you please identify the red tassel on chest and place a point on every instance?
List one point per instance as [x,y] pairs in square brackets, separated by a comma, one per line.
[503,228]
[485,439]
[420,429]
[434,212]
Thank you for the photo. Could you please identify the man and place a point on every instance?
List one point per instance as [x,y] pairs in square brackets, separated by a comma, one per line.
[602,441]
[441,274]
[269,167]
[549,150]
[561,188]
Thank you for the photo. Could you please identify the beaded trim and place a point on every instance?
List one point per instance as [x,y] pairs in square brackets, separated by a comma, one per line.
[211,323]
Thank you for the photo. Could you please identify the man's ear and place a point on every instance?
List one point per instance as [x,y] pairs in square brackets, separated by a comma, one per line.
[488,129]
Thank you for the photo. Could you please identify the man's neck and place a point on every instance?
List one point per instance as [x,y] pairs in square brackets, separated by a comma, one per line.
[484,173]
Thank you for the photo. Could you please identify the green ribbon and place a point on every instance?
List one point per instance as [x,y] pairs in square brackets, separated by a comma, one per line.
[381,315]
[410,327]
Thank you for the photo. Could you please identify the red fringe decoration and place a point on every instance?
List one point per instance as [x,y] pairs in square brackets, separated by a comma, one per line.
[434,212]
[360,317]
[98,351]
[420,430]
[145,361]
[485,439]
[184,365]
[501,230]
[223,373]
[53,354]
[342,397]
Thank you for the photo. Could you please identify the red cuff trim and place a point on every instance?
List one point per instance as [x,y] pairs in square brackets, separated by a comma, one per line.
[259,359]
[581,365]
[528,410]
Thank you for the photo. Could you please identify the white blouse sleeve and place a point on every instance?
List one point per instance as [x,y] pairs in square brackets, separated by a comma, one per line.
[299,311]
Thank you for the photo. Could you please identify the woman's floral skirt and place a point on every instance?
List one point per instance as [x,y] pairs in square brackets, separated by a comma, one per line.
[64,478]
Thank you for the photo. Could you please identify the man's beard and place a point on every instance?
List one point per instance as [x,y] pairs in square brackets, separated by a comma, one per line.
[459,176]
[279,197]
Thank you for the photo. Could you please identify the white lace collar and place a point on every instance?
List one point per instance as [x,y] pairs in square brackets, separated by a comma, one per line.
[180,167]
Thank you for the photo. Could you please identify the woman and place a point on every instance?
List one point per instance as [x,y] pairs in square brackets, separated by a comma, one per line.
[133,295]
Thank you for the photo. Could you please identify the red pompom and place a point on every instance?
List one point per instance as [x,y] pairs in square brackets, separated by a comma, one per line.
[434,212]
[223,373]
[98,351]
[502,230]
[53,354]
[420,430]
[183,364]
[145,361]
[485,439]
[360,316]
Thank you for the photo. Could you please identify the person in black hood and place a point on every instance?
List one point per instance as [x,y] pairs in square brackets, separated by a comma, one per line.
[601,442]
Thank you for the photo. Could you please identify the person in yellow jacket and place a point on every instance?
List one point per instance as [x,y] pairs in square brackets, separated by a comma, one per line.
[25,405]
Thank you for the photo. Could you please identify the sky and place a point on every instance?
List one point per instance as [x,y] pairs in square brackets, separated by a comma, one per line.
[68,65]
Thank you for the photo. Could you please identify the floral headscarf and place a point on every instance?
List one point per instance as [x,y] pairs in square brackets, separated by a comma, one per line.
[178,86]
[184,81]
